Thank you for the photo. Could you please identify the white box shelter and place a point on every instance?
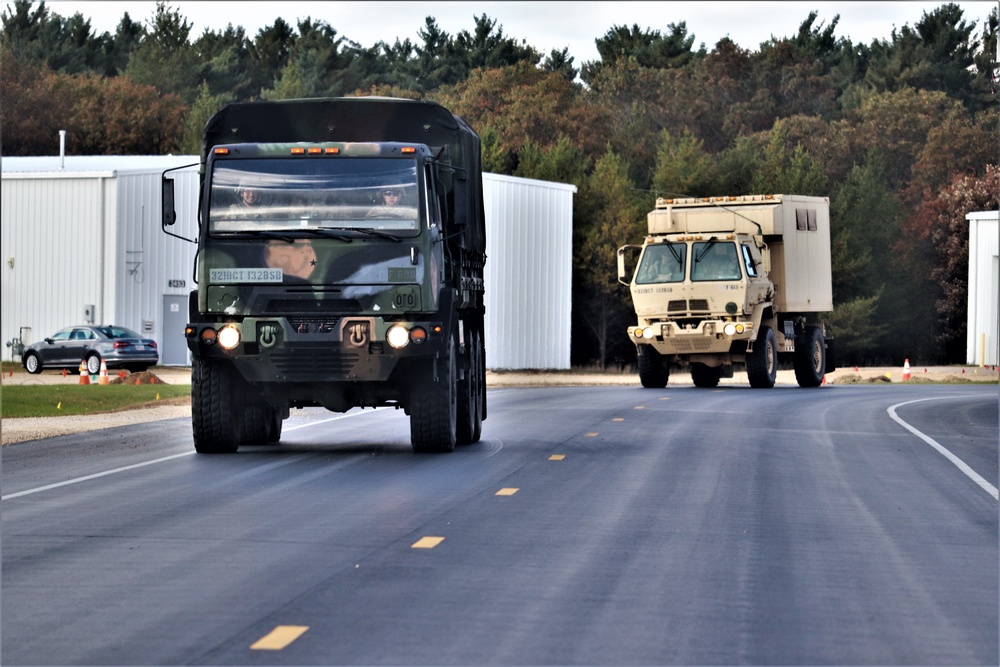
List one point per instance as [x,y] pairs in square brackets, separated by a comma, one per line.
[81,241]
[983,341]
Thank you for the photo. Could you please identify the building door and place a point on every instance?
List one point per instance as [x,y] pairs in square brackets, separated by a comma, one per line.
[173,347]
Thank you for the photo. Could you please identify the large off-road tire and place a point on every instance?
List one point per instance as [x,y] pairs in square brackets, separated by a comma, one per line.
[810,357]
[258,423]
[216,408]
[705,376]
[434,409]
[469,427]
[762,363]
[653,372]
[274,435]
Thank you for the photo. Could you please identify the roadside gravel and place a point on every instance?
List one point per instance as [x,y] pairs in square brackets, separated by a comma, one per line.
[36,428]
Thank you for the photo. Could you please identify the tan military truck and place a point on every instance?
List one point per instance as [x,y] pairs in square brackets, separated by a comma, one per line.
[722,281]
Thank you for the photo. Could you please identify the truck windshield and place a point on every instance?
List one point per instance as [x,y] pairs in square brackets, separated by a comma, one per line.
[715,260]
[288,194]
[662,263]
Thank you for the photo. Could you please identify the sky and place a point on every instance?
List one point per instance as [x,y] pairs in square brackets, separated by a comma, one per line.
[543,25]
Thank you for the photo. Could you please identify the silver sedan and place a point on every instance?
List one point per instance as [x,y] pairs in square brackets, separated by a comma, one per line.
[117,346]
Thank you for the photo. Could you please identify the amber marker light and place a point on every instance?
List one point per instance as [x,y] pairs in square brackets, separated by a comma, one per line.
[409,149]
[221,151]
[315,150]
[298,150]
[208,336]
[332,150]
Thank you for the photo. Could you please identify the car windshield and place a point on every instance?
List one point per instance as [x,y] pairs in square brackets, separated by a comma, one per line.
[286,194]
[118,332]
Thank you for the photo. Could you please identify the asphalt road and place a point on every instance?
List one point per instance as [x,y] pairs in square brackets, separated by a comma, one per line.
[601,525]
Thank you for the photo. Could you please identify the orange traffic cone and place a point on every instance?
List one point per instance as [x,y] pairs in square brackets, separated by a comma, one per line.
[906,370]
[103,379]
[84,376]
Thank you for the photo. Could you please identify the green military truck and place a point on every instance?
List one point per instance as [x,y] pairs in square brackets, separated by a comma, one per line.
[725,281]
[341,247]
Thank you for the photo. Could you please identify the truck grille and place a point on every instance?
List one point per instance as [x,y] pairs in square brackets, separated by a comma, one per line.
[692,306]
[309,307]
[314,325]
[332,366]
[698,305]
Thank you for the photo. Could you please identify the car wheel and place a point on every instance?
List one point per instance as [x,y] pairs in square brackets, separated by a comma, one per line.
[32,363]
[93,364]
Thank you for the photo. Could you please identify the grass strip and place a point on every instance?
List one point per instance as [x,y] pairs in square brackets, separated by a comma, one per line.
[68,399]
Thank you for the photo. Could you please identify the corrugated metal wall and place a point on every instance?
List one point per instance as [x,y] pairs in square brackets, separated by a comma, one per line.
[983,334]
[529,241]
[64,257]
[53,237]
[150,264]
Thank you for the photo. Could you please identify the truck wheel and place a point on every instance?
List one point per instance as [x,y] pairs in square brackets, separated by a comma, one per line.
[216,412]
[258,424]
[274,435]
[653,373]
[705,376]
[434,410]
[762,363]
[810,357]
[470,395]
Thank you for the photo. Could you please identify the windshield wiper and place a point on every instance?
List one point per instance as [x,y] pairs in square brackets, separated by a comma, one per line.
[370,232]
[290,235]
[704,251]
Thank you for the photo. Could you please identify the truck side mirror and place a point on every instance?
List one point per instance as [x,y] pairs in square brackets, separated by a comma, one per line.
[628,255]
[621,266]
[169,216]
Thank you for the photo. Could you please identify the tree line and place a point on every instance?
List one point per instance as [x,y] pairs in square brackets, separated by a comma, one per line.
[900,133]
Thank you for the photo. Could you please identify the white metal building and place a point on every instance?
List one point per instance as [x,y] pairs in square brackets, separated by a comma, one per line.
[983,342]
[529,266]
[81,242]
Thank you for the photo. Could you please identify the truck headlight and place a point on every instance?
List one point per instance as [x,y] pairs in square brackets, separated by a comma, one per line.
[397,336]
[648,333]
[229,337]
[733,329]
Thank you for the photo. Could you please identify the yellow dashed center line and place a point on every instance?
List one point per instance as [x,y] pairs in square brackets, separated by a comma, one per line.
[618,419]
[279,638]
[592,435]
[507,491]
[640,407]
[427,542]
[557,457]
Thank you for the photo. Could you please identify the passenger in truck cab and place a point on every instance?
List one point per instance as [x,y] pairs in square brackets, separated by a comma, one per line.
[249,200]
[390,207]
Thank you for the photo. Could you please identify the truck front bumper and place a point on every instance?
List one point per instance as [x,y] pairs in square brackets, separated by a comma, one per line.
[705,337]
[354,349]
